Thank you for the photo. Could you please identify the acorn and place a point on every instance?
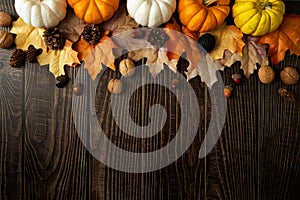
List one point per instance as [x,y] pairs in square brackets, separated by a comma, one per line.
[207,41]
[289,75]
[236,78]
[6,40]
[266,74]
[137,34]
[61,81]
[175,83]
[115,86]
[77,89]
[5,19]
[126,67]
[228,91]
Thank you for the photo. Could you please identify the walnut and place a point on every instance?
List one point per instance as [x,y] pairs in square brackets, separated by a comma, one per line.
[5,19]
[126,67]
[115,86]
[289,75]
[6,40]
[266,74]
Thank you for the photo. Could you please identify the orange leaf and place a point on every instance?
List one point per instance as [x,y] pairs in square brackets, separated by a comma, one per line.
[286,37]
[96,55]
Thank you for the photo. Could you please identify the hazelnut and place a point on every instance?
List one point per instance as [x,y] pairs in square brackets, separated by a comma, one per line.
[115,86]
[6,40]
[289,75]
[126,67]
[266,74]
[5,19]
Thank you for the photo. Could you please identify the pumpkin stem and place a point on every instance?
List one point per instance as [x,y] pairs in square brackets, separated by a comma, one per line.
[265,5]
[209,3]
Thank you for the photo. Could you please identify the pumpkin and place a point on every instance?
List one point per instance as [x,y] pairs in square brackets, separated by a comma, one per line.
[204,15]
[94,11]
[258,17]
[151,13]
[40,14]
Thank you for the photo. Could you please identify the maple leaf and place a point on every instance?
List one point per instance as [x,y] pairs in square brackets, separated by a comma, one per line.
[71,26]
[286,37]
[227,37]
[27,35]
[154,56]
[253,53]
[96,55]
[57,59]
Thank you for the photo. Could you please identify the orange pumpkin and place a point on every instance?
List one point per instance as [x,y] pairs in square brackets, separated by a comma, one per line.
[203,15]
[94,11]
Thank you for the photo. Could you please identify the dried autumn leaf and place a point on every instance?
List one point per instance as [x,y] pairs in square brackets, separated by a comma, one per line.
[286,37]
[27,35]
[71,26]
[227,37]
[95,55]
[253,54]
[57,59]
[120,22]
[154,56]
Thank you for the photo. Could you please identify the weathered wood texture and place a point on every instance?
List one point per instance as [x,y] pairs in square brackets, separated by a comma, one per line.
[42,156]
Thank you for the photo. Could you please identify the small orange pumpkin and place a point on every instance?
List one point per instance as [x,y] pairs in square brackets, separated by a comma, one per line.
[203,15]
[94,11]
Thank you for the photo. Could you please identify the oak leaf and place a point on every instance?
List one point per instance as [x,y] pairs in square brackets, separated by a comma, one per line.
[253,53]
[227,37]
[286,37]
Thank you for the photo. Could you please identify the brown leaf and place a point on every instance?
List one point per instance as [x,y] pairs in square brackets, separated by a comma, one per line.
[227,37]
[120,22]
[286,37]
[72,26]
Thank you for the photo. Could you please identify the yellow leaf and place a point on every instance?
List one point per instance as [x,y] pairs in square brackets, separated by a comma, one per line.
[27,35]
[227,38]
[57,59]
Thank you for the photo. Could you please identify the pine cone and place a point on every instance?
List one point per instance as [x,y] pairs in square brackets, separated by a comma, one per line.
[158,37]
[91,34]
[17,58]
[54,39]
[32,53]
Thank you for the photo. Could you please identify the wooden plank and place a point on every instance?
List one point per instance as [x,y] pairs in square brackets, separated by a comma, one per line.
[11,121]
[11,102]
[183,179]
[279,142]
[232,166]
[55,161]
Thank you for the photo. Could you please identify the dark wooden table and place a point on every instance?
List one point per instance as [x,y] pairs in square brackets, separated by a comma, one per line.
[42,157]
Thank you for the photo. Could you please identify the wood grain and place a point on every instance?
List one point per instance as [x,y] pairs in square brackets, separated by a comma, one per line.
[54,158]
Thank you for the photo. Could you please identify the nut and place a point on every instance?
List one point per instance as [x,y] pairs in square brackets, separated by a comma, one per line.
[126,67]
[5,19]
[236,78]
[266,74]
[6,40]
[228,91]
[289,75]
[115,86]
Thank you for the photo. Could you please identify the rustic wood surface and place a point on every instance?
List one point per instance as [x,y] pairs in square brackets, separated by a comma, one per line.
[42,156]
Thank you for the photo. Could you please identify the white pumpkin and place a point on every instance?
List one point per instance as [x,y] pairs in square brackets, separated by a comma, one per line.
[151,13]
[41,13]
